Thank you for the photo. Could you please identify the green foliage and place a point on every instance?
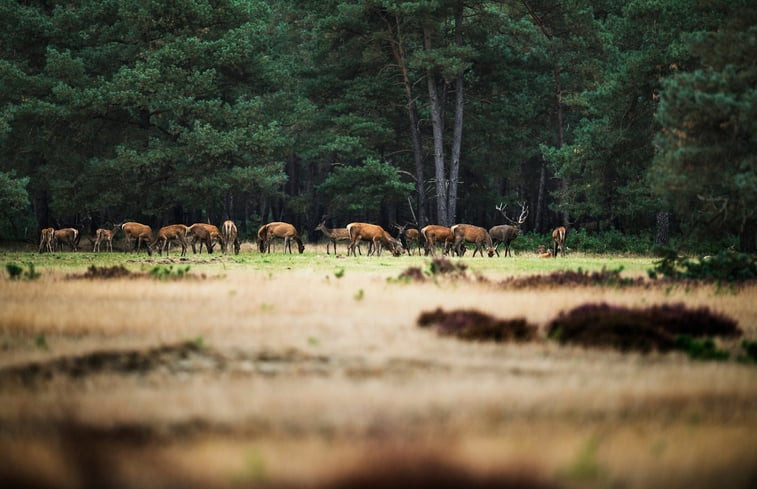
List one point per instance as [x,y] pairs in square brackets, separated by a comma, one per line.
[14,198]
[169,272]
[700,349]
[750,351]
[17,272]
[339,272]
[727,267]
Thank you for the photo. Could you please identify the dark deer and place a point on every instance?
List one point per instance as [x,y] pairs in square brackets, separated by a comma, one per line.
[46,240]
[282,230]
[105,235]
[206,234]
[558,240]
[407,237]
[376,235]
[506,233]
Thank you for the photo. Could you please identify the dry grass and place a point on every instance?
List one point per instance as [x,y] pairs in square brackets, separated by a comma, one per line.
[296,378]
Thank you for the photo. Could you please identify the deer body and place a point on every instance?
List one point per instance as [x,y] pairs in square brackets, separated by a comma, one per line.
[229,234]
[334,235]
[375,234]
[46,240]
[107,236]
[433,234]
[407,237]
[472,234]
[206,234]
[558,240]
[174,232]
[504,234]
[140,233]
[68,236]
[283,230]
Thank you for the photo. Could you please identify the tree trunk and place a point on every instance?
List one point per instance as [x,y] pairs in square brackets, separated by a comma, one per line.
[662,229]
[747,236]
[457,133]
[437,124]
[538,223]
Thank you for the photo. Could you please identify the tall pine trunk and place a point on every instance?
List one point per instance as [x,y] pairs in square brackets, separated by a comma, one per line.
[457,133]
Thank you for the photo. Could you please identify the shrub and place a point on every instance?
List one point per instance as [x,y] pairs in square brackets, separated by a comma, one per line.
[727,266]
[573,278]
[17,272]
[475,325]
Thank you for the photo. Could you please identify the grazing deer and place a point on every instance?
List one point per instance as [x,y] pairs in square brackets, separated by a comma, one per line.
[107,236]
[333,235]
[506,233]
[408,236]
[376,235]
[138,232]
[433,234]
[68,236]
[166,234]
[229,235]
[558,240]
[46,240]
[206,234]
[471,234]
[283,230]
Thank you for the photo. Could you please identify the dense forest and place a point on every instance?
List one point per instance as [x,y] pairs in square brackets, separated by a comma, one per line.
[637,117]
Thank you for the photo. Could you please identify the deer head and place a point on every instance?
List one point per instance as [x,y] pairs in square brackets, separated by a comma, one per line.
[502,208]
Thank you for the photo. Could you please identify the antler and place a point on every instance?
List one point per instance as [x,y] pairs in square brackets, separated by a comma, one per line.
[523,213]
[502,208]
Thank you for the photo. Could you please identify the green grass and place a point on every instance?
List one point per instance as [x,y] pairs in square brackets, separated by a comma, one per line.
[318,261]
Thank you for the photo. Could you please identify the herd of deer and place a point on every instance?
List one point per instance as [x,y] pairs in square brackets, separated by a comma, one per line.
[451,239]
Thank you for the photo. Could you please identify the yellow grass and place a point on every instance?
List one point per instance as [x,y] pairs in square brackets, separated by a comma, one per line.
[300,377]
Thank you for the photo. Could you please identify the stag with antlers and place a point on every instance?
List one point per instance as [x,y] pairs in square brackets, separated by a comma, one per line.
[506,233]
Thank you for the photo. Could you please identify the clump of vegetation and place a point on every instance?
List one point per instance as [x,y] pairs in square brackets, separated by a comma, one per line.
[443,266]
[750,351]
[116,271]
[412,274]
[727,266]
[475,325]
[169,273]
[700,349]
[17,272]
[627,329]
[574,278]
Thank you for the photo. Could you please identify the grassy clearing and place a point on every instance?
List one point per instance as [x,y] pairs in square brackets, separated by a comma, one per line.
[281,369]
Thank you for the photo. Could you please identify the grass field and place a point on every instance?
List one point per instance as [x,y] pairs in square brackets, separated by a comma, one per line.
[306,370]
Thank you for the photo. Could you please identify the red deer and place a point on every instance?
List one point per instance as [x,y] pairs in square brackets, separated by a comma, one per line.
[166,234]
[206,234]
[433,234]
[46,240]
[229,235]
[558,240]
[268,232]
[68,236]
[472,234]
[376,235]
[139,233]
[107,236]
[333,235]
[407,237]
[507,233]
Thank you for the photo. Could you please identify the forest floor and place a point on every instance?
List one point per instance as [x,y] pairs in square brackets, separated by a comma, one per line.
[311,371]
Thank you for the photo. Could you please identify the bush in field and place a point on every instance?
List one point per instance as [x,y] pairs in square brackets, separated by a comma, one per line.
[475,325]
[654,328]
[17,272]
[727,266]
[573,278]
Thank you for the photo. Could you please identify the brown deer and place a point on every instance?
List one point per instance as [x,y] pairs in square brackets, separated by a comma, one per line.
[283,230]
[173,232]
[68,236]
[376,235]
[333,235]
[140,233]
[229,235]
[471,234]
[433,234]
[407,237]
[107,236]
[46,240]
[206,234]
[506,233]
[558,240]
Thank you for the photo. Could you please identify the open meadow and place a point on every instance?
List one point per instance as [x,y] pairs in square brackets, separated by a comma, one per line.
[311,371]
